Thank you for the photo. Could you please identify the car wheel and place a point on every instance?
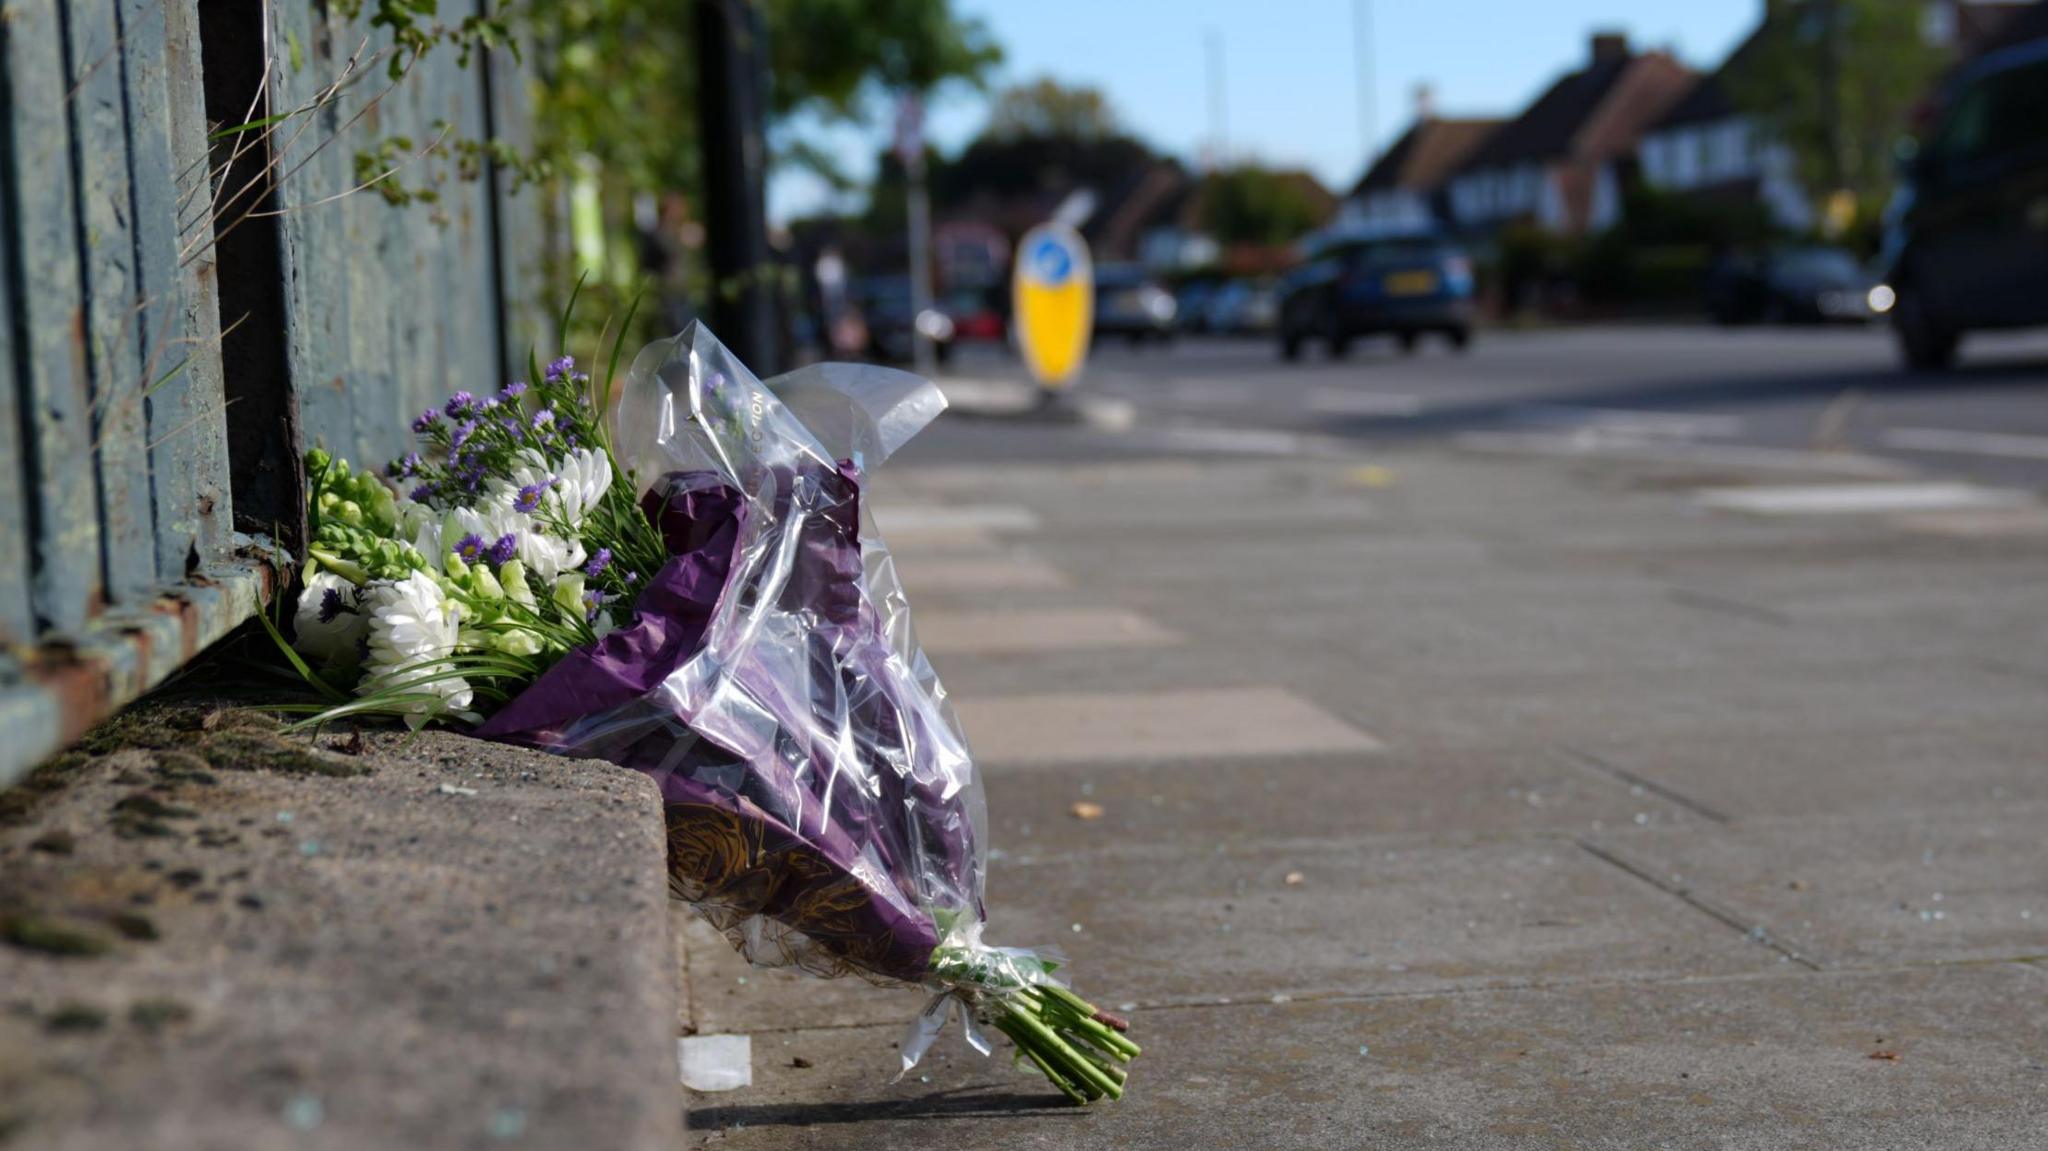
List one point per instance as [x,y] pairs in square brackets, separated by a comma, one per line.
[1334,333]
[1406,339]
[1924,344]
[1461,338]
[1290,345]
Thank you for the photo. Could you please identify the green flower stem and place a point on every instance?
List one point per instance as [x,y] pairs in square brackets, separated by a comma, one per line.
[1060,1081]
[1048,1043]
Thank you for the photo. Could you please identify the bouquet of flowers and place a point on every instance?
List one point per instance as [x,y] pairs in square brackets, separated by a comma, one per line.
[680,575]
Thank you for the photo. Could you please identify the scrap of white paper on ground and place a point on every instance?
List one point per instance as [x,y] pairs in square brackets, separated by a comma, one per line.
[716,1062]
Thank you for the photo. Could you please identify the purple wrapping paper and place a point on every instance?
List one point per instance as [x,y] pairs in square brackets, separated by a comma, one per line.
[822,805]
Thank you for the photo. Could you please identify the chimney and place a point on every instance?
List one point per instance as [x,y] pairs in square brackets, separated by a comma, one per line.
[1609,46]
[1425,101]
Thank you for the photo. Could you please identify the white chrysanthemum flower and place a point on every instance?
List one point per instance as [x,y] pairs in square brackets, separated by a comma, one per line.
[329,621]
[411,623]
[585,475]
[563,491]
[548,557]
[421,525]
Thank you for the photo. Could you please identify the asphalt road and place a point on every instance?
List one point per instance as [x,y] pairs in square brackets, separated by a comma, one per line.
[1697,390]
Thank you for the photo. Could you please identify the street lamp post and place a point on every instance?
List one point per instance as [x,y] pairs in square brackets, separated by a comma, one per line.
[732,88]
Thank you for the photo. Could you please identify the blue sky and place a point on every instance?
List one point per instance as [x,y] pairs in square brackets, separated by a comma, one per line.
[1290,80]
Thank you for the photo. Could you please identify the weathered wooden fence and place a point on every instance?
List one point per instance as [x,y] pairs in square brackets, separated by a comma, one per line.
[183,310]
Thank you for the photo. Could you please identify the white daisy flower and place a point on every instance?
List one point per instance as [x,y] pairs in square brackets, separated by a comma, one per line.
[329,622]
[412,621]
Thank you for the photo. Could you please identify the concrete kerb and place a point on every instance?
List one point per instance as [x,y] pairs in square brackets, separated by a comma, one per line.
[215,935]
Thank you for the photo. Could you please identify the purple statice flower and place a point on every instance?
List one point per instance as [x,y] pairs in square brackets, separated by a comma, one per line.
[529,497]
[512,391]
[425,421]
[330,605]
[406,466]
[505,549]
[459,405]
[421,494]
[599,560]
[632,577]
[543,419]
[510,425]
[592,601]
[463,431]
[559,370]
[470,548]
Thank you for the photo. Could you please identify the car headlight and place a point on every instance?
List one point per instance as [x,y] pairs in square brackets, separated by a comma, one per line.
[1881,299]
[1160,305]
[935,325]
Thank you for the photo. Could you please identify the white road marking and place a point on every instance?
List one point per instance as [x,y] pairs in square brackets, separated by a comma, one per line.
[1344,402]
[1107,727]
[1628,422]
[1001,632]
[2003,444]
[1860,499]
[1593,442]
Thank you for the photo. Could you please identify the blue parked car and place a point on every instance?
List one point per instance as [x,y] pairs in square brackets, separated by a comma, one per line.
[1401,286]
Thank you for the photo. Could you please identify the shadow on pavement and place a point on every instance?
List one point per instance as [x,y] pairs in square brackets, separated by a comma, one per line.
[1696,392]
[942,1105]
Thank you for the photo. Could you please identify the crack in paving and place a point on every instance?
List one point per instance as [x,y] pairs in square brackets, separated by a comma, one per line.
[1594,763]
[1754,932]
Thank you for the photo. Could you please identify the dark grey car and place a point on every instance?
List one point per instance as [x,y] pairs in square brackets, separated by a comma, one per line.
[1967,248]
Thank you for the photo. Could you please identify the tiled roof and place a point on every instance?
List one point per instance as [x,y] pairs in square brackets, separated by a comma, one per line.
[1545,129]
[1425,155]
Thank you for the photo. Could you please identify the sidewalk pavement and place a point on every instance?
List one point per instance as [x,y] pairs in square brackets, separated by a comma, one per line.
[1468,799]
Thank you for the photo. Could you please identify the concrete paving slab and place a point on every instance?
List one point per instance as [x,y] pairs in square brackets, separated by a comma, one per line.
[1147,810]
[973,576]
[1027,630]
[1374,916]
[1744,1064]
[1243,801]
[431,942]
[1876,771]
[1072,727]
[908,519]
[1957,884]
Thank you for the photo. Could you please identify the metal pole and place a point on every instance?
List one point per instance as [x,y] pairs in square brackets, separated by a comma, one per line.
[732,90]
[1368,113]
[1219,105]
[920,212]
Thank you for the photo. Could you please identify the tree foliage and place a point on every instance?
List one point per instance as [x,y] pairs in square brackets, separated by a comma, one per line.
[1250,204]
[1835,81]
[832,56]
[1047,109]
